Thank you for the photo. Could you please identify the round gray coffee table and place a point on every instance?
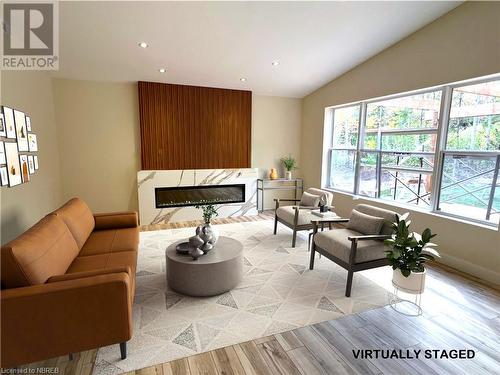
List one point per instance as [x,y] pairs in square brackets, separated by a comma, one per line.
[216,272]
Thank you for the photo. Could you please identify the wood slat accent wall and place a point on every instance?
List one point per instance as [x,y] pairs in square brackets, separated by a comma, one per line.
[190,127]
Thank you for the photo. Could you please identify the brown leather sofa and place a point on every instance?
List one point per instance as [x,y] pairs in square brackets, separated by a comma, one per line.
[68,284]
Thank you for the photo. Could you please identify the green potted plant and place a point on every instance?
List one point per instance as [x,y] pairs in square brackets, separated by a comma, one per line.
[407,255]
[290,164]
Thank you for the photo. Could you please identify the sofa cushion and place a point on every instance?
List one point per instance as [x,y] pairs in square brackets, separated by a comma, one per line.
[126,259]
[336,243]
[111,240]
[389,216]
[287,213]
[46,249]
[104,261]
[365,224]
[309,200]
[79,219]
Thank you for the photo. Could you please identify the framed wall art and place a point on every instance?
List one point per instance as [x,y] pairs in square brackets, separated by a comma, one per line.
[3,129]
[35,160]
[21,132]
[10,125]
[13,165]
[2,154]
[32,142]
[25,169]
[28,123]
[4,178]
[31,164]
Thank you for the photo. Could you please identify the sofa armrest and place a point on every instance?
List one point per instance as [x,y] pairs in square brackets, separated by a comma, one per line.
[54,319]
[116,220]
[81,275]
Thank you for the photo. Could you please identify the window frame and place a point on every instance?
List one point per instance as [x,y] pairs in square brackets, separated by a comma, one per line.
[439,153]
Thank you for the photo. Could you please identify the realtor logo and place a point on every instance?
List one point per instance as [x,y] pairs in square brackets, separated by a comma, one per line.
[30,36]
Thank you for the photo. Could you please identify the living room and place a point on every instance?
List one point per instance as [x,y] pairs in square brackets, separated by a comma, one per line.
[212,187]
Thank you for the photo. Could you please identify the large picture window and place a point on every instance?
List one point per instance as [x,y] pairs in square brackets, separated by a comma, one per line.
[438,149]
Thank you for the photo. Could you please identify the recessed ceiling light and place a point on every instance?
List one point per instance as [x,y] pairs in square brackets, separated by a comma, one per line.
[143,45]
[162,70]
[243,79]
[275,63]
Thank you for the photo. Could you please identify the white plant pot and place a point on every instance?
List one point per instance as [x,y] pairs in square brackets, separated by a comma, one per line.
[288,175]
[413,284]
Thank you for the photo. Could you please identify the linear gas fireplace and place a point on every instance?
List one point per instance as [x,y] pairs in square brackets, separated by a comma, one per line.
[181,196]
[169,196]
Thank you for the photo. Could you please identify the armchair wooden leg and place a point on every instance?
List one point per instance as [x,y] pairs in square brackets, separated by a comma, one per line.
[294,237]
[123,350]
[350,274]
[275,223]
[311,261]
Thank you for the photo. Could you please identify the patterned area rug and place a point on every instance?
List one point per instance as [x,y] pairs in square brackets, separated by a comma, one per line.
[278,293]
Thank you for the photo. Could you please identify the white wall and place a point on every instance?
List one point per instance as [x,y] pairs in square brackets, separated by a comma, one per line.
[25,204]
[462,44]
[99,139]
[276,131]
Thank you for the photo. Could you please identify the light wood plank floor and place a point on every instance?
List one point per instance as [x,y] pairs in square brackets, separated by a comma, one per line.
[265,215]
[459,312]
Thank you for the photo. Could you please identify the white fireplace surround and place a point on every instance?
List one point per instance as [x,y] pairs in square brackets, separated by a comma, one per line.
[148,181]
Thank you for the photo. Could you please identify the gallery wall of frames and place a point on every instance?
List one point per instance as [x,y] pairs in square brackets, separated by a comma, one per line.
[18,147]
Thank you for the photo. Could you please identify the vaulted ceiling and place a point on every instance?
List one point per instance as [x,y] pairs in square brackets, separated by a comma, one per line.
[219,43]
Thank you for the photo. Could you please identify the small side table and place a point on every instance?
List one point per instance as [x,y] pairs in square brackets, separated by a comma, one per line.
[295,184]
[322,221]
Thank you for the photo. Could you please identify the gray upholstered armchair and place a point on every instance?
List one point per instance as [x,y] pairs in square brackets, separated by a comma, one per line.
[359,246]
[299,217]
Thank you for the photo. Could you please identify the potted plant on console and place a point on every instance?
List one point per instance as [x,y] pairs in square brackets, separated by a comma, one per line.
[290,164]
[408,254]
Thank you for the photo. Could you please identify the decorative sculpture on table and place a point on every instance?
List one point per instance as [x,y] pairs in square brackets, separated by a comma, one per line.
[322,204]
[273,174]
[206,235]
